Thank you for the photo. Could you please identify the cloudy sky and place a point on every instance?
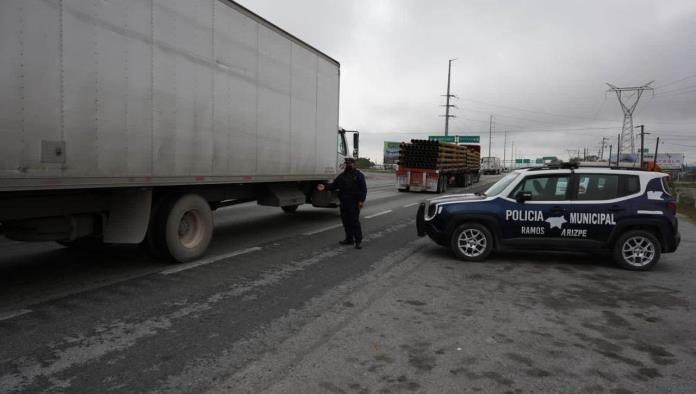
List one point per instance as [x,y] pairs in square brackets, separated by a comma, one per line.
[539,67]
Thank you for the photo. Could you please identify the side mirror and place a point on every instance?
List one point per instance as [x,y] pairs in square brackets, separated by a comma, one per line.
[356,144]
[523,196]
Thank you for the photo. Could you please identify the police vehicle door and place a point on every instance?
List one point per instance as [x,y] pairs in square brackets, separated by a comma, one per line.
[601,200]
[542,217]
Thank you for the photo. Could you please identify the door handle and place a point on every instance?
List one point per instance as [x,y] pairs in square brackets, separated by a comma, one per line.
[616,208]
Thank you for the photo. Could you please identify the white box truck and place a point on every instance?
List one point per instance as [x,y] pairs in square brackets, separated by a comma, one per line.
[491,165]
[129,121]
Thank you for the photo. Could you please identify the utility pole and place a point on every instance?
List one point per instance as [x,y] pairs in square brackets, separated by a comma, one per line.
[642,140]
[512,153]
[657,145]
[601,152]
[504,148]
[628,105]
[609,160]
[490,135]
[618,149]
[448,96]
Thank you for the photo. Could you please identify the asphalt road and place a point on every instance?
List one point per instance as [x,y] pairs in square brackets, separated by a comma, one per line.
[278,306]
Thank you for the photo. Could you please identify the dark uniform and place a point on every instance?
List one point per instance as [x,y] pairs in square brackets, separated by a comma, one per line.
[352,191]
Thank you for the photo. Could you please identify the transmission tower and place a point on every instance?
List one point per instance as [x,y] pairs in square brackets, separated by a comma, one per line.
[447,106]
[628,98]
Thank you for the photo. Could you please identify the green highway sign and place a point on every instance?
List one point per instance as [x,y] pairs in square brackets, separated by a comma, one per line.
[443,138]
[522,161]
[468,139]
[456,139]
[549,158]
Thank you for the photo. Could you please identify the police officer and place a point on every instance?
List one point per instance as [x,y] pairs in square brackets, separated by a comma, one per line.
[352,191]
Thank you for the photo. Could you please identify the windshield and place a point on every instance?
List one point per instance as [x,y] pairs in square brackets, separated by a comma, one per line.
[502,184]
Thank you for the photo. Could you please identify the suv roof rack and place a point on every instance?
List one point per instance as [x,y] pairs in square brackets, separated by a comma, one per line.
[559,166]
[575,166]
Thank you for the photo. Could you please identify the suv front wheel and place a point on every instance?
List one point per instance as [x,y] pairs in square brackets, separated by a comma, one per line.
[637,250]
[471,242]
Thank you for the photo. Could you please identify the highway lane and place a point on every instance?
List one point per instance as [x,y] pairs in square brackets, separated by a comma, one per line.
[68,318]
[37,272]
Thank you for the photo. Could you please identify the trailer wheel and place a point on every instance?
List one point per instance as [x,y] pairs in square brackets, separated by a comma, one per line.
[183,227]
[290,208]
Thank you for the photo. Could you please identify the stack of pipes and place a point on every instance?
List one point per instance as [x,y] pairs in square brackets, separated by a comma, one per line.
[437,155]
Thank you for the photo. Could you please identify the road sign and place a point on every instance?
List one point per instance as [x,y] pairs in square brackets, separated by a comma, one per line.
[468,139]
[391,152]
[522,161]
[456,139]
[549,158]
[444,138]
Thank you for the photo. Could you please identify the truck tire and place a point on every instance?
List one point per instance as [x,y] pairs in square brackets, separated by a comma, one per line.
[637,250]
[183,227]
[290,208]
[471,242]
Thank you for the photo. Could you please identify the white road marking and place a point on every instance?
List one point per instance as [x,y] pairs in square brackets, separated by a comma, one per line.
[13,314]
[410,205]
[209,260]
[378,214]
[321,230]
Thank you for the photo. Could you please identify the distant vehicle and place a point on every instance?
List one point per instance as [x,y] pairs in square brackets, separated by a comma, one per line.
[631,213]
[124,122]
[433,166]
[491,165]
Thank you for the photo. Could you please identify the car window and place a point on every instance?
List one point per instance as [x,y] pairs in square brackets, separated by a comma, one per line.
[665,185]
[631,184]
[598,186]
[544,188]
[499,186]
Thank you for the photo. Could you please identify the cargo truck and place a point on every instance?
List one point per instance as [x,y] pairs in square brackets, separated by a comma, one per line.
[130,121]
[491,165]
[432,166]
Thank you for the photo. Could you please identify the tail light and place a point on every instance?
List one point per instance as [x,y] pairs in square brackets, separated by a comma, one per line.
[672,207]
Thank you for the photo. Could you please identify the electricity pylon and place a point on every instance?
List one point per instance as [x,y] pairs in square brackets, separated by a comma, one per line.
[628,105]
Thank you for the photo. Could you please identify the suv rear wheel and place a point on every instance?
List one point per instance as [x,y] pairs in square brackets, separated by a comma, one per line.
[637,250]
[471,242]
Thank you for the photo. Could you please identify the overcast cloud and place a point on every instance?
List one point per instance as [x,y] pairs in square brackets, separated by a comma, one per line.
[539,67]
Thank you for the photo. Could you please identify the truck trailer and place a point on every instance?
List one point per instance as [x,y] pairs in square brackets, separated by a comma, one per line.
[491,165]
[432,166]
[130,121]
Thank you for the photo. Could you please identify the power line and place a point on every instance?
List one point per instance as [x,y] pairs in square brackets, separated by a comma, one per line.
[660,91]
[677,81]
[525,110]
[682,145]
[675,94]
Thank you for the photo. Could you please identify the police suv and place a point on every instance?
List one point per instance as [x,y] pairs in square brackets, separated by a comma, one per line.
[626,211]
